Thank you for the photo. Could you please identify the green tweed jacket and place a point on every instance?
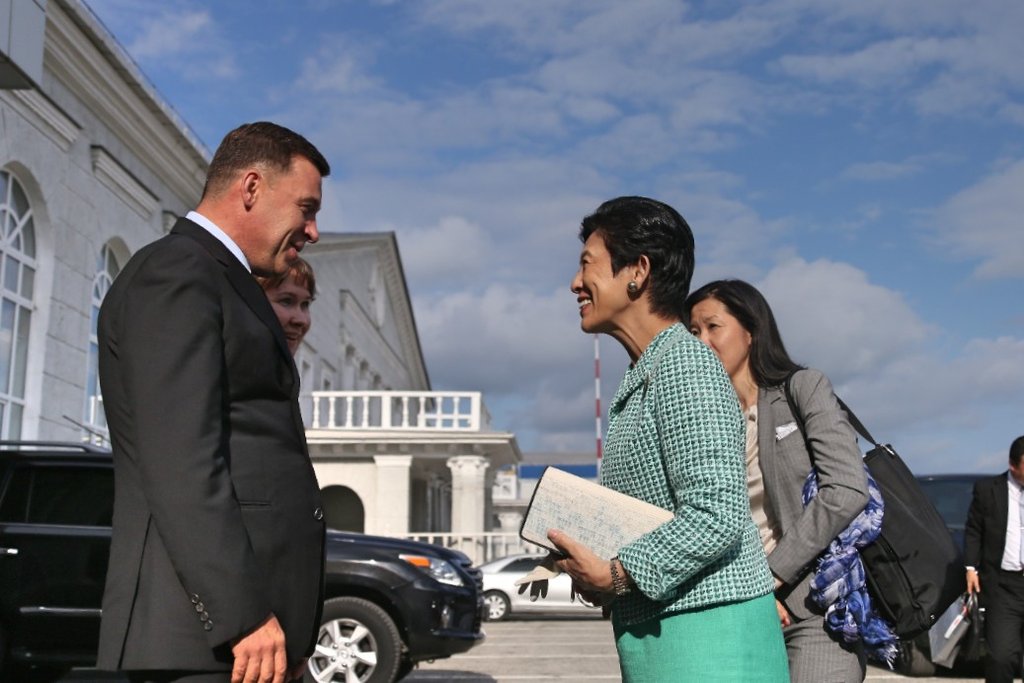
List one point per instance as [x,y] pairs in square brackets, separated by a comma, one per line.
[676,439]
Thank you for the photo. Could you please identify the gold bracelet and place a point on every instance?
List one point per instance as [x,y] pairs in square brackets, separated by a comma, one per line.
[619,584]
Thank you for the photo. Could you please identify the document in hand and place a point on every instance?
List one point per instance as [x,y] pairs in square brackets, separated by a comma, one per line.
[602,519]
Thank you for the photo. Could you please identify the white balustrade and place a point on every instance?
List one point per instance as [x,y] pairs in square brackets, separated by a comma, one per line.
[399,410]
[480,547]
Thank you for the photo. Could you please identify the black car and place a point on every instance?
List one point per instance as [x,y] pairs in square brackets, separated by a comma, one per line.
[390,603]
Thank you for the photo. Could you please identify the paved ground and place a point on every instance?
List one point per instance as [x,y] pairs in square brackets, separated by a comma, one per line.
[566,650]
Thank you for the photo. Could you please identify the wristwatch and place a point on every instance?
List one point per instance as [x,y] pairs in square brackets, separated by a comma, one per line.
[619,583]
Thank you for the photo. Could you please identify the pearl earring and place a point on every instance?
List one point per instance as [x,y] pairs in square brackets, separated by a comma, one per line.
[632,287]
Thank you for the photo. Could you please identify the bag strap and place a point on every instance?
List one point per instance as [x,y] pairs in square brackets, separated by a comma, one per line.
[855,422]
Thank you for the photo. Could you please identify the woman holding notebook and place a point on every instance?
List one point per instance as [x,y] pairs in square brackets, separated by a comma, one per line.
[692,599]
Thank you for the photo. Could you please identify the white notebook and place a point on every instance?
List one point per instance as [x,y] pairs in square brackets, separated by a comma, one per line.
[602,519]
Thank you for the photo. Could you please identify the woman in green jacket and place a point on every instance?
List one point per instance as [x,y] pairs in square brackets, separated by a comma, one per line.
[691,600]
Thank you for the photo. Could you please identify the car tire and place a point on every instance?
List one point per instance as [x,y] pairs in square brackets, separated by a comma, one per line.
[405,668]
[498,607]
[357,641]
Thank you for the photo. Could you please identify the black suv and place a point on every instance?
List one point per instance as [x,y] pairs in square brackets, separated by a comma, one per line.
[390,603]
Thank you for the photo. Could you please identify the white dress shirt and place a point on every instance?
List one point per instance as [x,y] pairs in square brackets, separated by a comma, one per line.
[211,227]
[1011,551]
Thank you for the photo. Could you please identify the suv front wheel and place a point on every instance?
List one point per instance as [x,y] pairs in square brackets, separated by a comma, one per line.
[358,641]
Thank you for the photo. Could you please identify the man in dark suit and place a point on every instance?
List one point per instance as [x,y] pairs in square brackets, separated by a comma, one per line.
[994,554]
[216,560]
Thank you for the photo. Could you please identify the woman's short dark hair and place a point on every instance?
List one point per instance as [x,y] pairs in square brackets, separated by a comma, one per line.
[261,142]
[635,226]
[300,271]
[770,363]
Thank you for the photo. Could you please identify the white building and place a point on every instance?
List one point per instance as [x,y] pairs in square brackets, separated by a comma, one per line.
[94,165]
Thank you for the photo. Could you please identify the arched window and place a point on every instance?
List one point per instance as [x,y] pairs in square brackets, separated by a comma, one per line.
[17,281]
[343,509]
[107,269]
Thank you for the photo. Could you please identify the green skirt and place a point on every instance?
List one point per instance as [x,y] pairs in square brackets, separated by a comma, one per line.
[739,641]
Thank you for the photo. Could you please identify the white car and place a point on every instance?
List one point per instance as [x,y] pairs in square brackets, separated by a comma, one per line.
[502,597]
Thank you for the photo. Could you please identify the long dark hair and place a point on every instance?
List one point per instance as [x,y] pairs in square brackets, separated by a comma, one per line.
[770,363]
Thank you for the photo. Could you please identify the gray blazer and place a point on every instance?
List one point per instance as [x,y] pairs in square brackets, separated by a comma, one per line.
[785,462]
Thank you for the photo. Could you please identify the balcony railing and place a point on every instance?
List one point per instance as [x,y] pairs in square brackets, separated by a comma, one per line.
[481,547]
[399,410]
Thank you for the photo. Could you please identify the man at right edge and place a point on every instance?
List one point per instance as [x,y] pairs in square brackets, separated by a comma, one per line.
[994,554]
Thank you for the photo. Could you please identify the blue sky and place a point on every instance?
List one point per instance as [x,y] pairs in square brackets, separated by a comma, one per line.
[862,163]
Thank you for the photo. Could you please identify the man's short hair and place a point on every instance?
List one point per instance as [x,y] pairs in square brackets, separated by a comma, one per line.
[260,143]
[1016,451]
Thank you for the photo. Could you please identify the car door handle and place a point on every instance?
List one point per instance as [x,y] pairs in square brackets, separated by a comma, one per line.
[8,551]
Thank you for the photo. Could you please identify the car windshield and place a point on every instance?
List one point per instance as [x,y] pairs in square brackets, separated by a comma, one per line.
[951,497]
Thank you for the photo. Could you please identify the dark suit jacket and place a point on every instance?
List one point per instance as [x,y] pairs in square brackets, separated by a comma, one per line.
[217,518]
[842,482]
[985,531]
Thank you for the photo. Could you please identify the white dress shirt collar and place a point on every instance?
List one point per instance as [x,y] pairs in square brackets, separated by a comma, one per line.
[1011,560]
[211,227]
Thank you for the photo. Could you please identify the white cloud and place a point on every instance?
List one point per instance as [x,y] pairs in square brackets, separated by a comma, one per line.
[336,68]
[178,35]
[946,58]
[833,318]
[959,413]
[986,221]
[484,172]
[731,237]
[455,252]
[161,36]
[937,404]
[523,350]
[882,64]
[880,170]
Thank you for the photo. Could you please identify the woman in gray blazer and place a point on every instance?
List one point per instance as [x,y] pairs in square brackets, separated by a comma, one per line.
[733,318]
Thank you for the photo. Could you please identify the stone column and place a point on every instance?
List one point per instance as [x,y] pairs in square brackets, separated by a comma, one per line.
[510,521]
[392,504]
[468,490]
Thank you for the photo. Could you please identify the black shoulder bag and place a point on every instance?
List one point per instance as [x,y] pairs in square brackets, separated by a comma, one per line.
[914,569]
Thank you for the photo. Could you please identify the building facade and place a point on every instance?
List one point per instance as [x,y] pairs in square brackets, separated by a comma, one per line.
[94,165]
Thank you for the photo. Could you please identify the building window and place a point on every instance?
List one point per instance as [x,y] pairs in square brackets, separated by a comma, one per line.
[107,269]
[17,280]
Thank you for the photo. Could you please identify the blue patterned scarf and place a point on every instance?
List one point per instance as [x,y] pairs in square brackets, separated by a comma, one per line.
[839,584]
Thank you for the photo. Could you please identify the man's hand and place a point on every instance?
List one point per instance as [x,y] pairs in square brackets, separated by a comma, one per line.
[260,655]
[973,582]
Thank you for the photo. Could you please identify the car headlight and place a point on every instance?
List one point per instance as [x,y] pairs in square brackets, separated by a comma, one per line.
[439,570]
